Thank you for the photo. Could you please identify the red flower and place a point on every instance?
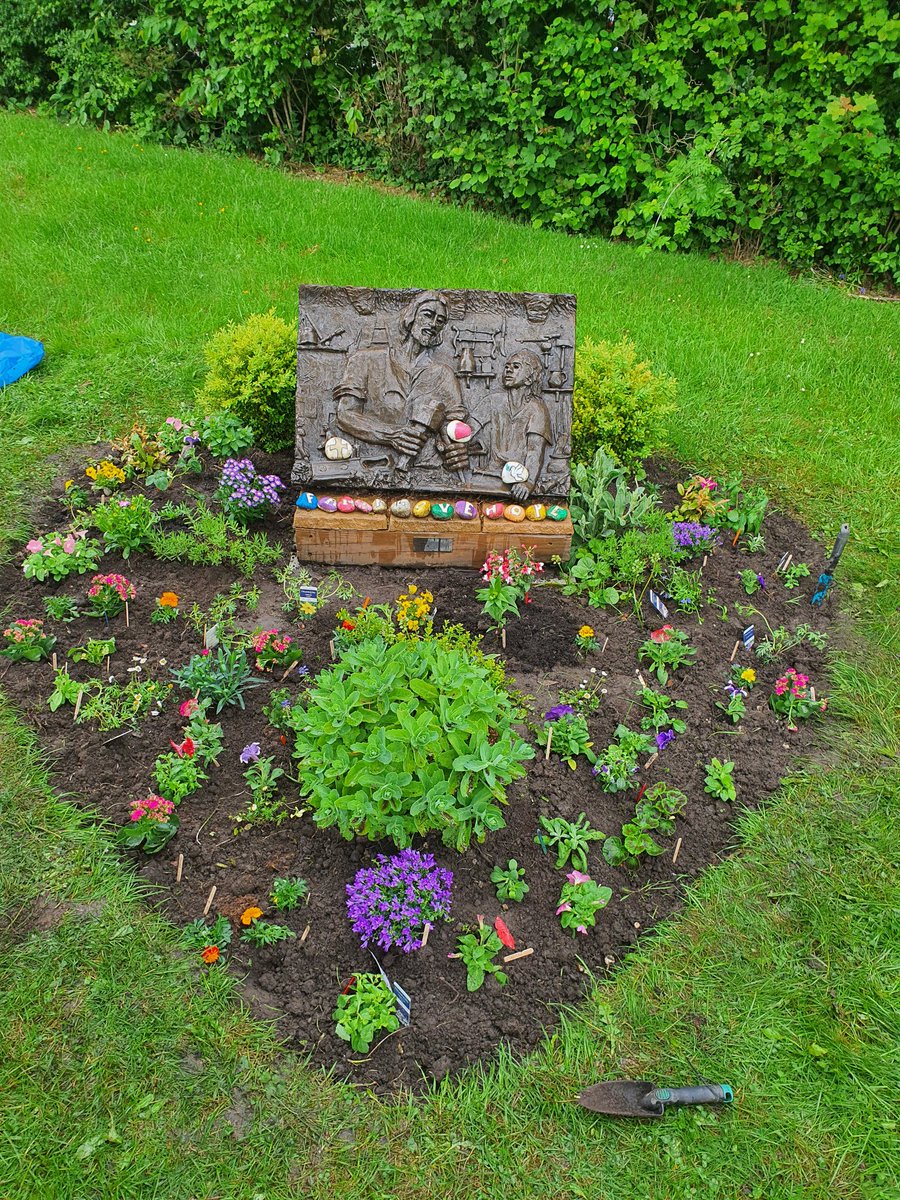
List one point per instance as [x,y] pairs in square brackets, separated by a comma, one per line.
[347,625]
[210,954]
[185,750]
[662,635]
[503,934]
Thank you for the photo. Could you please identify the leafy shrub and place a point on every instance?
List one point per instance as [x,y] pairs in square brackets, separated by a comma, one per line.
[253,370]
[618,403]
[601,502]
[401,739]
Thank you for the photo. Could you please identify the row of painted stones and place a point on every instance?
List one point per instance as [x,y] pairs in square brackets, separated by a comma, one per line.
[465,510]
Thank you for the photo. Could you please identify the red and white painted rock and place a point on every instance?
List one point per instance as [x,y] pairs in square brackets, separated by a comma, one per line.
[459,431]
[346,505]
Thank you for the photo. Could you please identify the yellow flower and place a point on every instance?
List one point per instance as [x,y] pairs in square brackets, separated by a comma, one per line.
[412,625]
[585,632]
[249,915]
[168,600]
[91,472]
[69,483]
[307,609]
[749,676]
[412,589]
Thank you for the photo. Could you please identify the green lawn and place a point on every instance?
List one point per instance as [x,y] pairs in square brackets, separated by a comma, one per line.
[124,1074]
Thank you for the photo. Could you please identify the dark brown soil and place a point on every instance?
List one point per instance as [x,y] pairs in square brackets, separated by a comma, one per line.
[298,982]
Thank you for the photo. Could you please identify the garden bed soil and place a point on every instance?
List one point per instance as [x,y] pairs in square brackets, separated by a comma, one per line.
[296,982]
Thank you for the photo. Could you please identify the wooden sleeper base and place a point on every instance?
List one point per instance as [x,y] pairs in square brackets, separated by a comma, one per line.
[380,539]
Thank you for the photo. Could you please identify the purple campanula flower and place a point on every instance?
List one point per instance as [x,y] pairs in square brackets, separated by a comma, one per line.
[389,904]
[664,737]
[559,710]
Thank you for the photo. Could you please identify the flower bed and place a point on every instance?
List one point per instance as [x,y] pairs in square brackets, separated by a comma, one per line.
[603,691]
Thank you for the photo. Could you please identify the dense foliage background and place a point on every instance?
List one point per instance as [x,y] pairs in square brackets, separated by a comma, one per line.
[767,126]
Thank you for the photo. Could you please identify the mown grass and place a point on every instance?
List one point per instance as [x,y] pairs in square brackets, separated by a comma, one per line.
[124,1072]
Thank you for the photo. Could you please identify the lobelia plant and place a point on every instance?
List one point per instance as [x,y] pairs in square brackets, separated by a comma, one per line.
[390,904]
[366,1008]
[246,495]
[666,650]
[108,595]
[509,882]
[793,699]
[686,589]
[398,740]
[719,780]
[618,762]
[570,839]
[57,555]
[25,641]
[579,902]
[151,825]
[694,537]
[478,949]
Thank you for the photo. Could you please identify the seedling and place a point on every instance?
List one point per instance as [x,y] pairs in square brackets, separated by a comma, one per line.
[266,933]
[660,706]
[365,1009]
[509,882]
[735,710]
[666,650]
[477,950]
[719,781]
[286,894]
[579,902]
[792,575]
[570,839]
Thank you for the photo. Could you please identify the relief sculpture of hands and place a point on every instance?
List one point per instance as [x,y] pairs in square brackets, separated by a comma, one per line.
[410,441]
[521,492]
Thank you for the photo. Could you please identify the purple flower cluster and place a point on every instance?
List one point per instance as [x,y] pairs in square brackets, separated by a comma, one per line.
[391,903]
[243,491]
[558,711]
[664,737]
[691,535]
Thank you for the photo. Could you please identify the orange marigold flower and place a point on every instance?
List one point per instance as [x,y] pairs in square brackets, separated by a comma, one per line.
[347,625]
[168,600]
[249,915]
[210,954]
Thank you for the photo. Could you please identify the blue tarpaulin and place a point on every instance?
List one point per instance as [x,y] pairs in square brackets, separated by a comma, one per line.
[17,355]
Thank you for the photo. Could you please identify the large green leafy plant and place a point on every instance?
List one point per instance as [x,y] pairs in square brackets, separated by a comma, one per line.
[398,740]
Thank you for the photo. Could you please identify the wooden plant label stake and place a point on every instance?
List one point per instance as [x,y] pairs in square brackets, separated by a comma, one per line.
[179,868]
[605,643]
[641,680]
[331,649]
[53,661]
[209,900]
[812,694]
[503,637]
[107,666]
[126,615]
[305,934]
[507,958]
[677,851]
[549,742]
[425,933]
[78,703]
[651,760]
[783,563]
[737,646]
[703,564]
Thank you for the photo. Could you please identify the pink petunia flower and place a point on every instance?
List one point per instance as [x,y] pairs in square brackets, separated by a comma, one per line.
[564,908]
[578,877]
[34,546]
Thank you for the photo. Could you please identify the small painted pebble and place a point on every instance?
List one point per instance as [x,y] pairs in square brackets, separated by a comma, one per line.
[493,512]
[362,506]
[401,508]
[307,500]
[421,508]
[535,512]
[514,472]
[556,512]
[328,504]
[514,512]
[337,448]
[465,510]
[459,431]
[346,505]
[441,511]
[379,506]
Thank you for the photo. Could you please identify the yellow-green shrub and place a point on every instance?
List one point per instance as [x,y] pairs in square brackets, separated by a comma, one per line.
[253,371]
[618,403]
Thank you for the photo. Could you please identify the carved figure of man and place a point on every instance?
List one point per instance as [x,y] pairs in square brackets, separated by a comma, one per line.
[402,394]
[514,422]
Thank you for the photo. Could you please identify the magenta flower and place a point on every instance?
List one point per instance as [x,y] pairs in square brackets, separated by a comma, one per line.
[564,908]
[578,877]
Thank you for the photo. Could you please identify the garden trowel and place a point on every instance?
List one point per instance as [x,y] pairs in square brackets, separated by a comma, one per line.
[632,1098]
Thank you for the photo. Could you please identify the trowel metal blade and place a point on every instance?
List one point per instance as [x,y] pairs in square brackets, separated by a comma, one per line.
[620,1098]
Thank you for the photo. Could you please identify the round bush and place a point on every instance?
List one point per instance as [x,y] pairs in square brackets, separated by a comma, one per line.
[253,372]
[400,740]
[618,403]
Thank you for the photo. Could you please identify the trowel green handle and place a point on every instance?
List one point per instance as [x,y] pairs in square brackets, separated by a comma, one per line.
[713,1093]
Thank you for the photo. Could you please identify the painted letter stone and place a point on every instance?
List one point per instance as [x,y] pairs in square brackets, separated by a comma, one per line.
[401,508]
[307,500]
[345,505]
[328,504]
[514,512]
[421,508]
[442,512]
[465,510]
